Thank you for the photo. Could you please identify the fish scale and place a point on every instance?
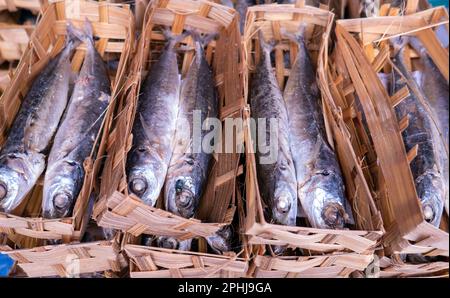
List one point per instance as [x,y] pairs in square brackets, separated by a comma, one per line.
[154,126]
[76,135]
[319,179]
[22,158]
[420,131]
[276,179]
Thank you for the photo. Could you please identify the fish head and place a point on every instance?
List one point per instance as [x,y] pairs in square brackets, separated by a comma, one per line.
[431,191]
[220,242]
[325,190]
[284,208]
[173,243]
[142,182]
[62,185]
[18,175]
[182,197]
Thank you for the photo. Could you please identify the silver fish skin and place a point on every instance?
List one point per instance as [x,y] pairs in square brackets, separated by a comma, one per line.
[319,180]
[189,167]
[242,7]
[436,90]
[428,179]
[221,241]
[154,126]
[75,138]
[172,243]
[276,179]
[22,158]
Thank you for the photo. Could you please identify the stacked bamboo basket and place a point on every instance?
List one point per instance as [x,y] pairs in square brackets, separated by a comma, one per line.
[364,49]
[329,253]
[114,27]
[220,203]
[384,229]
[14,36]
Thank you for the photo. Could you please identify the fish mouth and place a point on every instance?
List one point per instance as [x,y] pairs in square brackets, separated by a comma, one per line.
[60,204]
[334,215]
[10,196]
[143,184]
[167,242]
[428,212]
[185,201]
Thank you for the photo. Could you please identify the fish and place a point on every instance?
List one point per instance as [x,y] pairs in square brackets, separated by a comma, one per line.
[189,167]
[154,126]
[173,243]
[75,139]
[228,3]
[241,7]
[436,90]
[425,167]
[23,156]
[221,241]
[275,168]
[319,181]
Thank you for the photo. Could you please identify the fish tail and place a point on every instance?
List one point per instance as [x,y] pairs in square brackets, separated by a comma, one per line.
[74,36]
[202,40]
[297,37]
[265,46]
[172,38]
[88,31]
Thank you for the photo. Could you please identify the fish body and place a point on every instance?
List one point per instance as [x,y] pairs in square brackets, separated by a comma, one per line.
[319,180]
[436,90]
[425,166]
[22,158]
[75,138]
[154,127]
[189,167]
[275,168]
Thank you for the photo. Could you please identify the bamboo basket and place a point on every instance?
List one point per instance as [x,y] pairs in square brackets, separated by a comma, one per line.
[328,251]
[116,208]
[152,262]
[396,268]
[113,25]
[69,260]
[386,163]
[13,5]
[14,40]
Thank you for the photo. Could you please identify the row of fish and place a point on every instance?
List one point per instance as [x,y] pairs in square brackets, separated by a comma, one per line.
[55,129]
[165,158]
[305,180]
[427,109]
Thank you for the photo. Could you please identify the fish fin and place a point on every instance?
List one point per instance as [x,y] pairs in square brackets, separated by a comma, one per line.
[74,36]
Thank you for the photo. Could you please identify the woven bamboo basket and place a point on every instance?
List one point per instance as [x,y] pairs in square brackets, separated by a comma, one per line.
[13,5]
[113,25]
[152,262]
[69,260]
[116,208]
[14,39]
[320,245]
[386,163]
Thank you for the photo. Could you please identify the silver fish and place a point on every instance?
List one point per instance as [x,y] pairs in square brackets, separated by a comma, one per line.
[189,167]
[228,3]
[319,180]
[154,126]
[220,242]
[172,243]
[74,140]
[425,167]
[435,88]
[276,178]
[22,158]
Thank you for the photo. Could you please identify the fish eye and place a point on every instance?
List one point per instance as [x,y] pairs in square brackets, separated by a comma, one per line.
[141,149]
[325,173]
[190,161]
[71,163]
[283,167]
